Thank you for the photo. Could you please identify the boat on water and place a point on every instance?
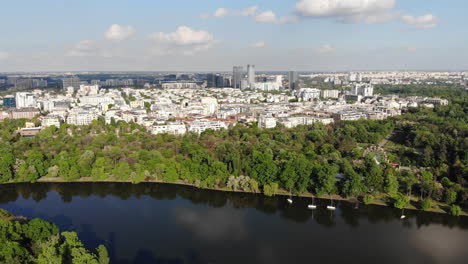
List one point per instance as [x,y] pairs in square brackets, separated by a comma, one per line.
[331,207]
[290,201]
[312,206]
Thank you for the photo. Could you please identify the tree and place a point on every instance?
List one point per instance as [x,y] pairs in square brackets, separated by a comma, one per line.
[264,170]
[98,172]
[353,185]
[373,175]
[49,251]
[391,182]
[455,210]
[450,196]
[38,229]
[401,201]
[7,161]
[103,255]
[326,179]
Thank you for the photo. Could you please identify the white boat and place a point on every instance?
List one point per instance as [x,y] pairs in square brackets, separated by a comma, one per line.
[312,206]
[331,207]
[290,201]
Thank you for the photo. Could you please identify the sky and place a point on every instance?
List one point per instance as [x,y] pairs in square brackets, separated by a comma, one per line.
[214,35]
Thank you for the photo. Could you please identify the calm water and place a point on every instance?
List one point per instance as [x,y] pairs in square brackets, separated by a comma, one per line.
[157,223]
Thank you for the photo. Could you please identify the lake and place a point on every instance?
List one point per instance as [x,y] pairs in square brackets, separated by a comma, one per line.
[162,223]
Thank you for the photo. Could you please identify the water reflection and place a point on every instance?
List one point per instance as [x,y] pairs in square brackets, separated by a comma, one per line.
[158,223]
[216,199]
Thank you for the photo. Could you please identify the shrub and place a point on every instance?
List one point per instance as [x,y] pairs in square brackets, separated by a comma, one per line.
[368,199]
[455,210]
[426,204]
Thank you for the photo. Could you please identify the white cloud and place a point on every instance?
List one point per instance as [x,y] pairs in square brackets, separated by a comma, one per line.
[83,49]
[260,44]
[4,55]
[271,18]
[421,22]
[249,11]
[118,32]
[327,49]
[266,17]
[349,11]
[185,40]
[221,12]
[342,7]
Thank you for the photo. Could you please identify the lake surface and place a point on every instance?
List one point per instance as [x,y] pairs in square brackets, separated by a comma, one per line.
[159,223]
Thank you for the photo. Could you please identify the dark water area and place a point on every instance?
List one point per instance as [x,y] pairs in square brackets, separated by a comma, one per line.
[160,223]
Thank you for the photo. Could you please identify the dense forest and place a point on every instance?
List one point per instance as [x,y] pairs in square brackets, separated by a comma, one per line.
[37,241]
[317,159]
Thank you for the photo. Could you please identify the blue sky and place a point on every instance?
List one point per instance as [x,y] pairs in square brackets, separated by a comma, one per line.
[209,35]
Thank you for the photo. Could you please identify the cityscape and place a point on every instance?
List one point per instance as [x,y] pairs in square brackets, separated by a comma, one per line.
[226,132]
[194,102]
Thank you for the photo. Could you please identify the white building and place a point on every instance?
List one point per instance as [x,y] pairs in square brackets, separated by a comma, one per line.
[81,118]
[210,105]
[306,94]
[363,89]
[24,100]
[267,122]
[175,128]
[267,86]
[201,125]
[95,100]
[50,120]
[329,93]
[88,89]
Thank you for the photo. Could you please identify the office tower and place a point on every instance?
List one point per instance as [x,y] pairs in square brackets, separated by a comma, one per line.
[71,82]
[293,79]
[251,76]
[237,76]
[219,81]
[210,80]
[23,84]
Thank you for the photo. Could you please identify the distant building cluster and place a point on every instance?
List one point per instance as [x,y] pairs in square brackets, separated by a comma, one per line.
[178,104]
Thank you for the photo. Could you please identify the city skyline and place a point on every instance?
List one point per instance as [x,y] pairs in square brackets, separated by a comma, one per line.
[300,35]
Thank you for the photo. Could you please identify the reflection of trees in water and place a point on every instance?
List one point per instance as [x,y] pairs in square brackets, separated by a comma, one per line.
[8,193]
[297,212]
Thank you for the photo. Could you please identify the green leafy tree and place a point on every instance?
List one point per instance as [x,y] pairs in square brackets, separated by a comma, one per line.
[401,201]
[391,182]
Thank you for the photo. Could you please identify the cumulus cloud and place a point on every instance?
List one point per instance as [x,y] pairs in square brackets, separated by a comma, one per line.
[260,44]
[349,11]
[420,22]
[266,17]
[221,12]
[83,49]
[326,49]
[184,39]
[249,11]
[271,18]
[119,33]
[224,12]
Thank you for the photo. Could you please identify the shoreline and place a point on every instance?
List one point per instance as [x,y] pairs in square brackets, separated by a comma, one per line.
[280,192]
